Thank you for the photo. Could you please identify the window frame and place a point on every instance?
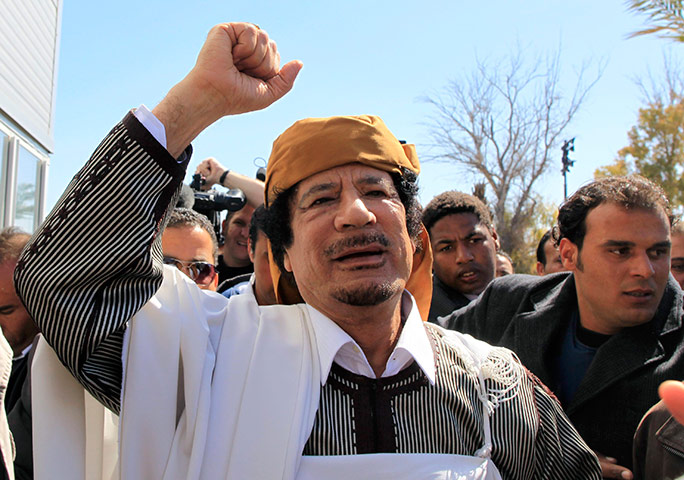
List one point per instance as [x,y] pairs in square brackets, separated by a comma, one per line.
[9,153]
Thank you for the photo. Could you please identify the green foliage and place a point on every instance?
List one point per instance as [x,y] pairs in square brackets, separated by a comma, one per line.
[656,148]
[617,169]
[543,218]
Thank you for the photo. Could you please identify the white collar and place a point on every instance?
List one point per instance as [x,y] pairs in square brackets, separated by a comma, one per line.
[471,296]
[24,352]
[334,344]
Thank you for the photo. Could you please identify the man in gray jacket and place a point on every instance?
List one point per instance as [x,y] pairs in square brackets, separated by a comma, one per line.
[606,335]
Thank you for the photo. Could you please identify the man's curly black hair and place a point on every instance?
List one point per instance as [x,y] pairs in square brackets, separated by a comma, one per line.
[453,202]
[631,192]
[278,227]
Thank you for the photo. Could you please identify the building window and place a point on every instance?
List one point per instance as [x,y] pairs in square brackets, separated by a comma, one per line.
[4,149]
[22,181]
[26,200]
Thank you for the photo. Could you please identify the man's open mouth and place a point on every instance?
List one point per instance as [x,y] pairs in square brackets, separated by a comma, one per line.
[639,293]
[468,276]
[359,254]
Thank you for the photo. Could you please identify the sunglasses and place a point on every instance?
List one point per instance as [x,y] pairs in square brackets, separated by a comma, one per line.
[202,273]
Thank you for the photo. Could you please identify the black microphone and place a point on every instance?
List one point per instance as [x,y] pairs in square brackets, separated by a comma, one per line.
[186,199]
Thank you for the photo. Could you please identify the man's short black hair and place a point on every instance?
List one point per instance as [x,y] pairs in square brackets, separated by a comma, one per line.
[630,192]
[186,217]
[541,254]
[278,227]
[506,256]
[454,202]
[256,225]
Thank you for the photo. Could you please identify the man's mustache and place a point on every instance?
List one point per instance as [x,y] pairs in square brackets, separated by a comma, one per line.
[361,240]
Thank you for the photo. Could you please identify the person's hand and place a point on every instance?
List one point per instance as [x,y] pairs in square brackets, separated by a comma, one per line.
[240,66]
[610,468]
[237,71]
[672,393]
[211,170]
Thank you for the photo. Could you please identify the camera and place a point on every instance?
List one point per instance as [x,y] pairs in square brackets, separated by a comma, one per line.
[211,203]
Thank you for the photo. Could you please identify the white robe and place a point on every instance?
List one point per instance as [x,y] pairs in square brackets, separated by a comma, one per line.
[6,441]
[212,390]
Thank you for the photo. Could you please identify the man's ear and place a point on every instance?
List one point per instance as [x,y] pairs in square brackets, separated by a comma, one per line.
[286,262]
[495,237]
[569,254]
[540,269]
[250,249]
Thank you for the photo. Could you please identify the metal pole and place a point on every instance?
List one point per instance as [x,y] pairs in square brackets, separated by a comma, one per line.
[568,146]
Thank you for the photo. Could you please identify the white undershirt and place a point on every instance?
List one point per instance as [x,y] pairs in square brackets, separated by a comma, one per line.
[151,123]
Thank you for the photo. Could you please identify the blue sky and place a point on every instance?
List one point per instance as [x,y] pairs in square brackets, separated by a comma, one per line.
[372,56]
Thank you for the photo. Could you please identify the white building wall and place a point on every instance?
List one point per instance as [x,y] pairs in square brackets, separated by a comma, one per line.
[29,44]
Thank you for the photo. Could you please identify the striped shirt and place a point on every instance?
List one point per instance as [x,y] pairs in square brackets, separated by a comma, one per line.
[96,260]
[406,413]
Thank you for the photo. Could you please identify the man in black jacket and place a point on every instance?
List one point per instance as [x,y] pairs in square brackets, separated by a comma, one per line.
[605,336]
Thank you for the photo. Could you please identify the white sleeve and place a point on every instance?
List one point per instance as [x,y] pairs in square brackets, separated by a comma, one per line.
[151,123]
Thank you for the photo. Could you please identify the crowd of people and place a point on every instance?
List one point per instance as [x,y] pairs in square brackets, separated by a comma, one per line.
[339,329]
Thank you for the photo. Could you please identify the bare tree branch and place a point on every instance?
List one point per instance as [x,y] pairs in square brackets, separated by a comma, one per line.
[501,123]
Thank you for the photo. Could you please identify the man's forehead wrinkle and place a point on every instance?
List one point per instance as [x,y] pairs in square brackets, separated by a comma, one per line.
[477,229]
[373,179]
[362,179]
[627,243]
[450,237]
[318,188]
[617,243]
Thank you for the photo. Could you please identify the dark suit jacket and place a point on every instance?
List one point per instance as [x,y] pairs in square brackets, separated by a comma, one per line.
[530,314]
[444,300]
[16,382]
[20,421]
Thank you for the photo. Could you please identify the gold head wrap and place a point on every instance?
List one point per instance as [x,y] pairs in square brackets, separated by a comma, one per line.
[314,145]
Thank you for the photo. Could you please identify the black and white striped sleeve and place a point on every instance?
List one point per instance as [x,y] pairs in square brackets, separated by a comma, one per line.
[96,260]
[560,450]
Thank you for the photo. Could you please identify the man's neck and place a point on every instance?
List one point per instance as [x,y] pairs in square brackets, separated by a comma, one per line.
[376,329]
[452,291]
[593,323]
[231,262]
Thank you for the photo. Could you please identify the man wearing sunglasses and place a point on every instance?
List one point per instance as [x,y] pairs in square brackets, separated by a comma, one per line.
[344,381]
[189,244]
